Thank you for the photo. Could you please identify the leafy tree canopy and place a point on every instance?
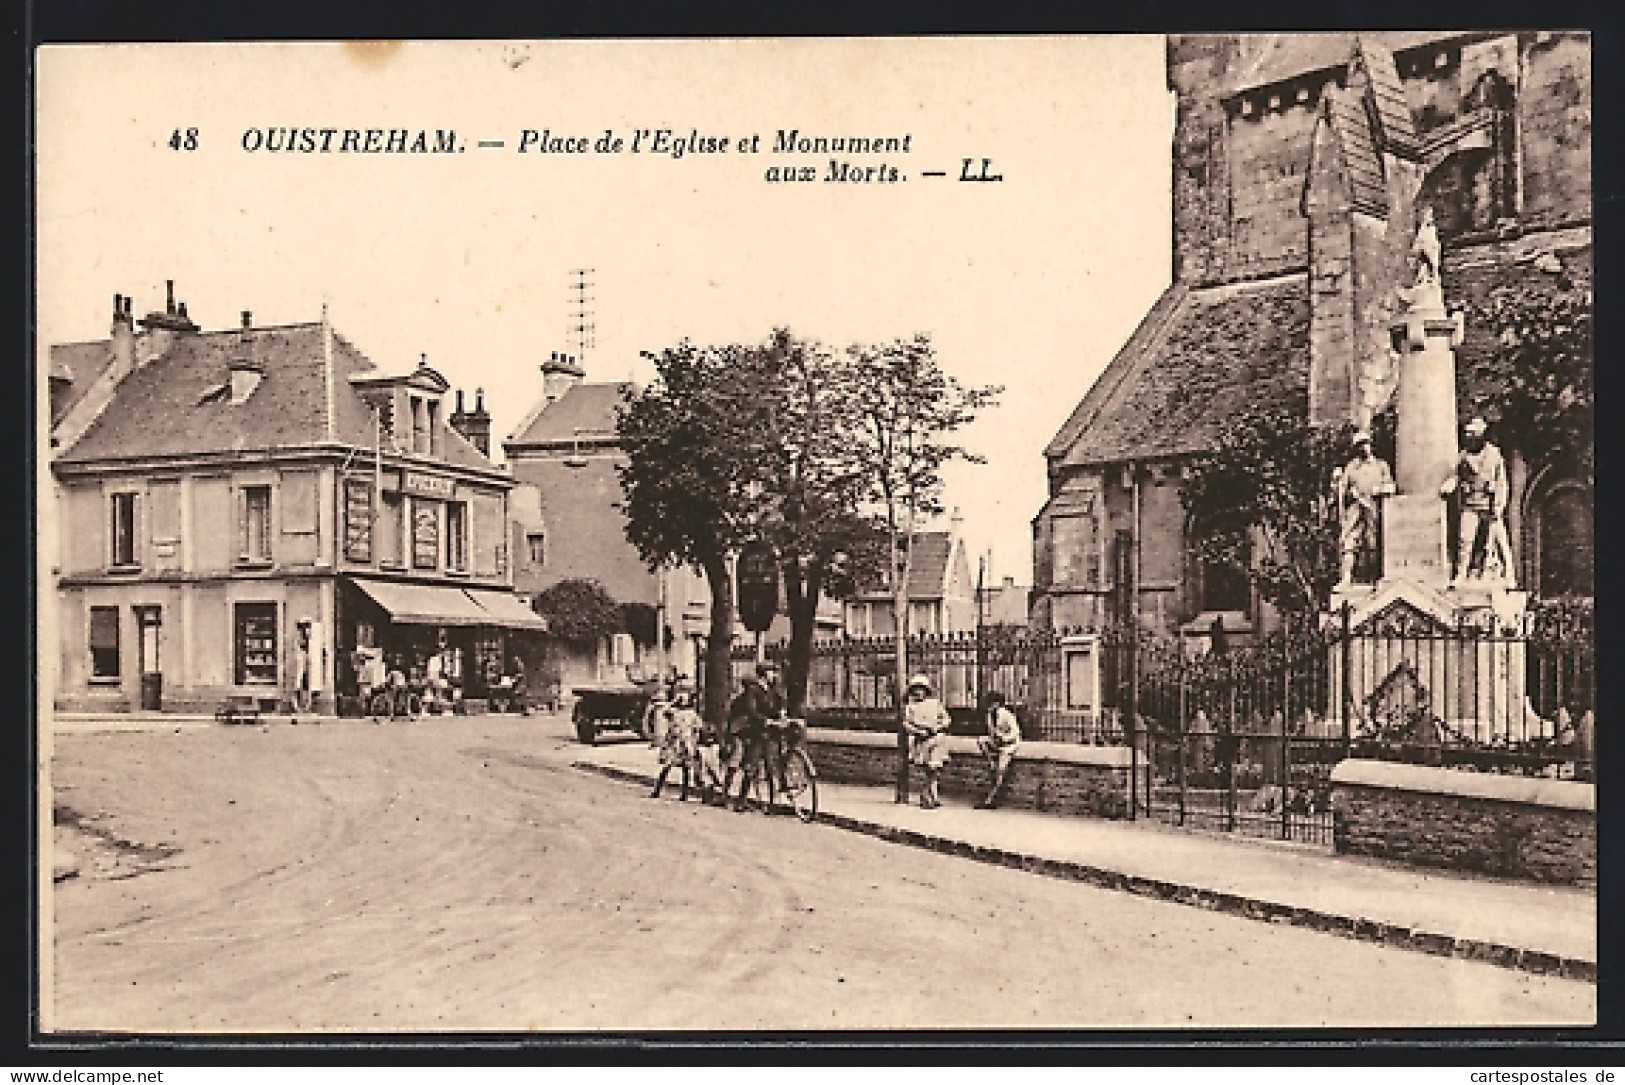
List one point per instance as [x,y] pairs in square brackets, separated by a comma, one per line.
[1265,493]
[579,612]
[1530,369]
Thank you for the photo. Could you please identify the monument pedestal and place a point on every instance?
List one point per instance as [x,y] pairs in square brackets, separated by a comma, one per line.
[1422,646]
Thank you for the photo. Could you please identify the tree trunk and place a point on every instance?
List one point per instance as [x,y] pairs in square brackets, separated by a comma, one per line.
[801,604]
[719,646]
[899,609]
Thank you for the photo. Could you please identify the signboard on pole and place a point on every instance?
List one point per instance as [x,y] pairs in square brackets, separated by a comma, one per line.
[758,576]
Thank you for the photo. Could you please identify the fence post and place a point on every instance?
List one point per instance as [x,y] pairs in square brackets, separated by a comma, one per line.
[1182,707]
[1131,727]
[1286,746]
[1345,691]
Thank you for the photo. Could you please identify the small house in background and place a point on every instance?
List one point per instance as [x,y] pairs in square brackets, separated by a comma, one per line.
[1004,603]
[941,591]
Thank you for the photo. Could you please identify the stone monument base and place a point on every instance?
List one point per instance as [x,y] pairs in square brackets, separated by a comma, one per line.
[1450,658]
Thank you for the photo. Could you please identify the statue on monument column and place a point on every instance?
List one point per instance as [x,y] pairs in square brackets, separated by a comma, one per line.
[1480,489]
[1425,249]
[1356,488]
[1426,291]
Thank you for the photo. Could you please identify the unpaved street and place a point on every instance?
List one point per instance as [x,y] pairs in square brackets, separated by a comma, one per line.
[459,874]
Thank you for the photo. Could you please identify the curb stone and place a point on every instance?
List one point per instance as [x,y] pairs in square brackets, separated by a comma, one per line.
[1363,930]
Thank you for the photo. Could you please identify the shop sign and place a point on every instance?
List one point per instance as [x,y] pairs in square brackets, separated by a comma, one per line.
[425,535]
[422,484]
[358,519]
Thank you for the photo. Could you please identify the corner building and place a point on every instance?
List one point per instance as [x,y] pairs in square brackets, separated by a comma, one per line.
[215,489]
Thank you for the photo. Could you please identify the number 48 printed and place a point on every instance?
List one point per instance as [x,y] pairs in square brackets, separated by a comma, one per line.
[183,140]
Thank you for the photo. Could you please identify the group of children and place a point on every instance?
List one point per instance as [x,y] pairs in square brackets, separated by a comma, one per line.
[926,720]
[687,744]
[684,741]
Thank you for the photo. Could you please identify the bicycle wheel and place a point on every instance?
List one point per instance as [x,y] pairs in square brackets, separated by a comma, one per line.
[801,784]
[761,787]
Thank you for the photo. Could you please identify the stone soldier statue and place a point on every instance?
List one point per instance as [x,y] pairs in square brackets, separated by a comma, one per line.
[1479,486]
[1356,488]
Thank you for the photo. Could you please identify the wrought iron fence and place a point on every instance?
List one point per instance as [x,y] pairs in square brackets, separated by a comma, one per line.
[853,679]
[1244,739]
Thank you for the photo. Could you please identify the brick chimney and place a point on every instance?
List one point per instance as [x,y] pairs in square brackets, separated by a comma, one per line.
[246,370]
[474,425]
[560,373]
[123,337]
[162,327]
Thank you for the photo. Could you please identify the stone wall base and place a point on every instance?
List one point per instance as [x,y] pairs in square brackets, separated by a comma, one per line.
[1534,841]
[1034,782]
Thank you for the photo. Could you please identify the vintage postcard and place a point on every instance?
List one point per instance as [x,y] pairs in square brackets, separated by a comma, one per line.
[563,537]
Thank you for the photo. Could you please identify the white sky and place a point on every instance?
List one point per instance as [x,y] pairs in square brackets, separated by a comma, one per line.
[1032,283]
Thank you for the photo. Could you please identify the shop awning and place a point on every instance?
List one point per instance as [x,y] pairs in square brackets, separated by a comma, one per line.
[424,604]
[506,611]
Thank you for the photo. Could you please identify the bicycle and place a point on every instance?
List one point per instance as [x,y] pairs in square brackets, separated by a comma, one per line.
[785,771]
[394,701]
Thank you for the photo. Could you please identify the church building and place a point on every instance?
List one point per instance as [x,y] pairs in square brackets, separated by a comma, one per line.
[1302,167]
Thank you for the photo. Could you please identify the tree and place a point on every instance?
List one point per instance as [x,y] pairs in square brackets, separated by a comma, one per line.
[640,621]
[904,406]
[1531,367]
[743,443]
[689,483]
[579,612]
[1263,500]
[810,489]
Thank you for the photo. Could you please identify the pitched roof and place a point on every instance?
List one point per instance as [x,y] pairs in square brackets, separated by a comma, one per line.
[1149,331]
[1391,113]
[174,405]
[1273,58]
[928,574]
[1221,349]
[1217,351]
[78,364]
[587,407]
[1346,115]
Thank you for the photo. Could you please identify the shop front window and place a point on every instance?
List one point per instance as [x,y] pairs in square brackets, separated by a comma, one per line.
[256,644]
[104,654]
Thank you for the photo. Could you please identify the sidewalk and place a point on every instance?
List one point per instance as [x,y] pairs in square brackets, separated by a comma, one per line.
[1541,929]
[70,723]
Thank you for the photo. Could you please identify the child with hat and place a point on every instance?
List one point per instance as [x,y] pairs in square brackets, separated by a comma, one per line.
[926,721]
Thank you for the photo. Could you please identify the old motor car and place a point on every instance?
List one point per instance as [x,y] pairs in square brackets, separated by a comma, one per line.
[611,706]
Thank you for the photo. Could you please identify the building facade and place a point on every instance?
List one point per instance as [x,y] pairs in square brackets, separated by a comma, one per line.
[218,491]
[1302,165]
[941,592]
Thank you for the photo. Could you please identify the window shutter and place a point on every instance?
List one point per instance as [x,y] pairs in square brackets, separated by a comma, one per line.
[299,502]
[104,627]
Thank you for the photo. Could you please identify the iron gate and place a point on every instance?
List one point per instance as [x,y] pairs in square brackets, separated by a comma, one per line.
[1240,743]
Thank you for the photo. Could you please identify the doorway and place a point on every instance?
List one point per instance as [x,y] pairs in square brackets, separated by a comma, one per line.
[149,624]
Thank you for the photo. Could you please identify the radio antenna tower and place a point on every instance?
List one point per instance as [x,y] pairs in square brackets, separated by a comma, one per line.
[583,332]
